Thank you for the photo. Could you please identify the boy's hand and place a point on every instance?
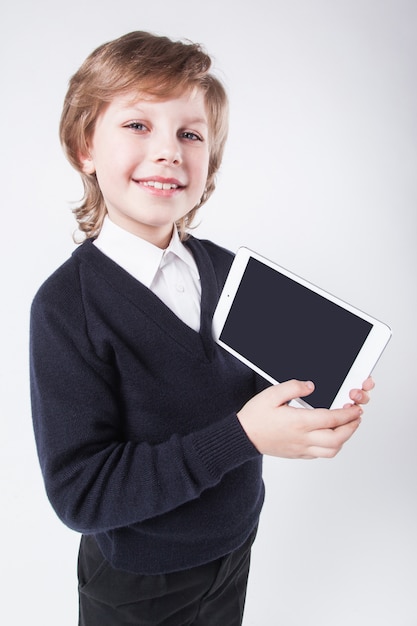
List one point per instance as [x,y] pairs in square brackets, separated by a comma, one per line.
[361,396]
[277,429]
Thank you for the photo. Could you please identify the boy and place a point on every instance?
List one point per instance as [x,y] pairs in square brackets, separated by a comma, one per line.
[150,437]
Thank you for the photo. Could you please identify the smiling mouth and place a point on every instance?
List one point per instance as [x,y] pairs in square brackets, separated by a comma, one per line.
[158,185]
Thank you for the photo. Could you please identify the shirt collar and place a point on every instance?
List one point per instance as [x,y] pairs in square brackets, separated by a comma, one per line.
[137,256]
[177,248]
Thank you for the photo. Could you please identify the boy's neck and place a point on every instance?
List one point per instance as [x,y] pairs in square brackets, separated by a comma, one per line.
[157,237]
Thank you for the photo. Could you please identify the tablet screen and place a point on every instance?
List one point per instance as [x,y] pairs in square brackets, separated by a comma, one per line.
[290,331]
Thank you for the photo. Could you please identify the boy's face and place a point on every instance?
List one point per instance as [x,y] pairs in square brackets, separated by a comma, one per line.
[151,160]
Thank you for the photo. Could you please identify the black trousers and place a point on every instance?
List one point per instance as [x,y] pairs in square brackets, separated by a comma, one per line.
[208,595]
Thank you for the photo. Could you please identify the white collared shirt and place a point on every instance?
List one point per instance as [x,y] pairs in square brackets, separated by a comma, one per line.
[171,274]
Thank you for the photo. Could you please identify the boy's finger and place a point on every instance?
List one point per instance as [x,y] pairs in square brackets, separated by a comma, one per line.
[290,390]
[325,419]
[369,384]
[359,396]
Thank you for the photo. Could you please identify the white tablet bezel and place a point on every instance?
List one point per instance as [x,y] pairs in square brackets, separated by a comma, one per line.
[366,359]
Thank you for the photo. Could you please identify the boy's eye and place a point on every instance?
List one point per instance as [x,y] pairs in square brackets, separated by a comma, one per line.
[191,136]
[136,126]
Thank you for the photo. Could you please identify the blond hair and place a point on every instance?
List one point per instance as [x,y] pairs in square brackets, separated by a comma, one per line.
[147,64]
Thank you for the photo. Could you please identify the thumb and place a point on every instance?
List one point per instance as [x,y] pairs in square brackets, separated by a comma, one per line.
[290,390]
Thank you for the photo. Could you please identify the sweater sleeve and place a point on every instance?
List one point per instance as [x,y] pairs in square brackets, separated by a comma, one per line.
[95,479]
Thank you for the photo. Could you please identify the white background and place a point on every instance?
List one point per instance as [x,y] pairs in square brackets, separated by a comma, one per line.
[319,175]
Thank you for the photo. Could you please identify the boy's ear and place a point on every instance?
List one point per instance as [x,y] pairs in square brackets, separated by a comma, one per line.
[87,163]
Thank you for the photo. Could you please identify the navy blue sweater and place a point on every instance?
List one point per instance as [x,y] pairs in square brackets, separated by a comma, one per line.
[135,416]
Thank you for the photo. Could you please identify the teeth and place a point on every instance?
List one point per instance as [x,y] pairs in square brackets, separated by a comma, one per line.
[158,185]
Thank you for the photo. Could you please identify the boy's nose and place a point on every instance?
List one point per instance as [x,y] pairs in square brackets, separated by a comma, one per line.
[168,152]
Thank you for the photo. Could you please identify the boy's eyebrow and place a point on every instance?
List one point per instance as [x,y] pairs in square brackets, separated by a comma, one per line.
[198,120]
[194,120]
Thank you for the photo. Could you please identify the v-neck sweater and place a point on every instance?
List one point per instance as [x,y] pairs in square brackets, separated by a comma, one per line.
[135,416]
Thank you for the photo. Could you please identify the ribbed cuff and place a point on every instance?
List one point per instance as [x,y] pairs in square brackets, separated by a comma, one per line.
[224,446]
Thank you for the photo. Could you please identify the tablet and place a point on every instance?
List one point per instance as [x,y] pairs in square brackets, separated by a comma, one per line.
[283,327]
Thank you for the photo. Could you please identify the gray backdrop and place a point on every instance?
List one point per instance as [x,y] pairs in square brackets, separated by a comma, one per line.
[319,175]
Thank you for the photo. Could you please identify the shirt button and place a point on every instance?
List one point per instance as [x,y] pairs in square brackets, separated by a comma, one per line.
[179,287]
